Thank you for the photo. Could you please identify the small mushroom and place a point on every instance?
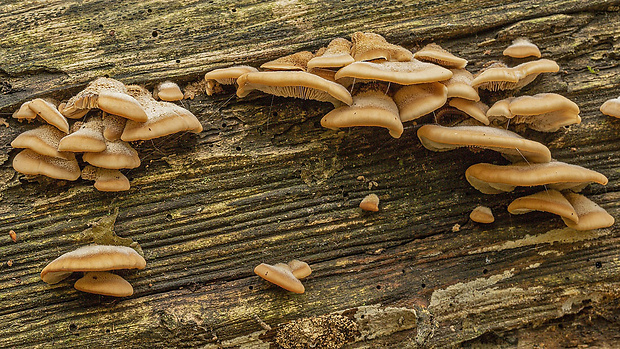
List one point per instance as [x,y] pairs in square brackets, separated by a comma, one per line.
[118,154]
[87,138]
[403,73]
[415,101]
[591,215]
[43,140]
[24,112]
[281,275]
[299,269]
[92,258]
[436,54]
[168,91]
[31,163]
[46,110]
[104,283]
[371,46]
[296,61]
[370,203]
[482,214]
[225,76]
[611,107]
[476,110]
[113,126]
[521,48]
[106,179]
[550,200]
[496,76]
[459,85]
[337,54]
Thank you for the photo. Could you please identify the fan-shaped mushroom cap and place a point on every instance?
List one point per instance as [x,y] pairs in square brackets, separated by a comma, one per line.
[281,275]
[337,54]
[611,107]
[296,61]
[113,126]
[104,283]
[440,138]
[415,101]
[371,46]
[495,179]
[550,200]
[501,108]
[168,91]
[118,154]
[108,95]
[106,179]
[495,77]
[24,112]
[436,54]
[48,112]
[482,214]
[92,258]
[591,216]
[88,138]
[370,203]
[476,110]
[299,269]
[403,73]
[521,48]
[226,76]
[294,84]
[164,118]
[43,140]
[459,85]
[31,163]
[370,108]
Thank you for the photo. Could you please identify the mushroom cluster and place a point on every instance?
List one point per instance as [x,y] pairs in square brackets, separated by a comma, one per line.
[113,115]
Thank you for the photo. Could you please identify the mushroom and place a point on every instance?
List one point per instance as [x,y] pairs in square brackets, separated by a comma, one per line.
[108,95]
[521,48]
[164,118]
[46,110]
[403,73]
[370,203]
[482,214]
[440,138]
[299,269]
[280,274]
[75,114]
[113,126]
[104,283]
[92,258]
[225,76]
[459,85]
[591,216]
[611,107]
[106,179]
[415,101]
[495,179]
[436,54]
[43,140]
[337,54]
[296,61]
[476,110]
[118,154]
[550,200]
[499,77]
[87,138]
[371,46]
[371,107]
[31,163]
[294,84]
[168,91]
[544,112]
[530,70]
[24,112]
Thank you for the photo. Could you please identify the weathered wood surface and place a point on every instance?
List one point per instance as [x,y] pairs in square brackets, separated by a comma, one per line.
[265,183]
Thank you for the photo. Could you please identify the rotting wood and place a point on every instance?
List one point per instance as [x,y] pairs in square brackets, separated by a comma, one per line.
[264,183]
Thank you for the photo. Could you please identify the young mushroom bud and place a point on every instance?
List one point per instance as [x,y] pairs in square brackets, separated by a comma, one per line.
[482,214]
[370,203]
[521,48]
[168,91]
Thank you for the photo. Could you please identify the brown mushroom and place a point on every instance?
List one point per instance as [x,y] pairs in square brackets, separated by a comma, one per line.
[225,76]
[415,101]
[87,138]
[476,110]
[591,215]
[118,154]
[482,214]
[31,163]
[104,283]
[106,179]
[296,61]
[24,112]
[337,54]
[168,91]
[371,46]
[370,203]
[436,54]
[281,275]
[43,140]
[521,48]
[113,126]
[459,85]
[299,269]
[46,110]
[550,200]
[611,107]
[403,73]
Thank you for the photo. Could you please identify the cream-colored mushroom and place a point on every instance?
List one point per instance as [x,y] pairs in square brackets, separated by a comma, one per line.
[118,154]
[225,76]
[337,54]
[371,46]
[459,85]
[476,110]
[521,48]
[104,283]
[87,138]
[31,163]
[296,61]
[611,107]
[106,179]
[436,54]
[415,101]
[43,140]
[549,200]
[403,73]
[482,214]
[168,91]
[281,275]
[591,215]
[370,203]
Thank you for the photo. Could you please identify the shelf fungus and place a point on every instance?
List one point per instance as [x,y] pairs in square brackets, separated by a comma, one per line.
[336,55]
[43,140]
[513,146]
[104,283]
[402,73]
[476,110]
[297,61]
[495,179]
[88,137]
[415,101]
[118,154]
[459,85]
[113,126]
[521,48]
[31,163]
[371,46]
[370,203]
[225,76]
[482,214]
[295,84]
[436,54]
[46,110]
[611,107]
[285,275]
[168,91]
[500,77]
[591,215]
[108,95]
[370,107]
[105,179]
[550,200]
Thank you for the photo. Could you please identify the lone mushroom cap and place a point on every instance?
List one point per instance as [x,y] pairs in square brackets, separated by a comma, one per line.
[104,283]
[521,48]
[403,73]
[611,107]
[92,258]
[482,214]
[43,140]
[591,215]
[299,269]
[550,200]
[31,163]
[436,54]
[281,275]
[370,203]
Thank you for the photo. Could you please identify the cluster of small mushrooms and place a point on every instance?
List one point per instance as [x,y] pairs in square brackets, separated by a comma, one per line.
[113,115]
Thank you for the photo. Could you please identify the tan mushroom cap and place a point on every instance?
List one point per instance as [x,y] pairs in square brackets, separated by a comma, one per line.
[459,85]
[370,203]
[417,100]
[501,108]
[24,112]
[299,268]
[104,283]
[225,76]
[296,61]
[106,179]
[482,214]
[281,275]
[118,154]
[164,118]
[369,108]
[371,46]
[495,179]
[436,54]
[88,138]
[48,112]
[591,215]
[521,48]
[495,77]
[403,73]
[542,103]
[294,84]
[43,140]
[31,163]
[75,114]
[550,200]
[113,126]
[611,107]
[168,91]
[337,54]
[440,138]
[92,258]
[476,110]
